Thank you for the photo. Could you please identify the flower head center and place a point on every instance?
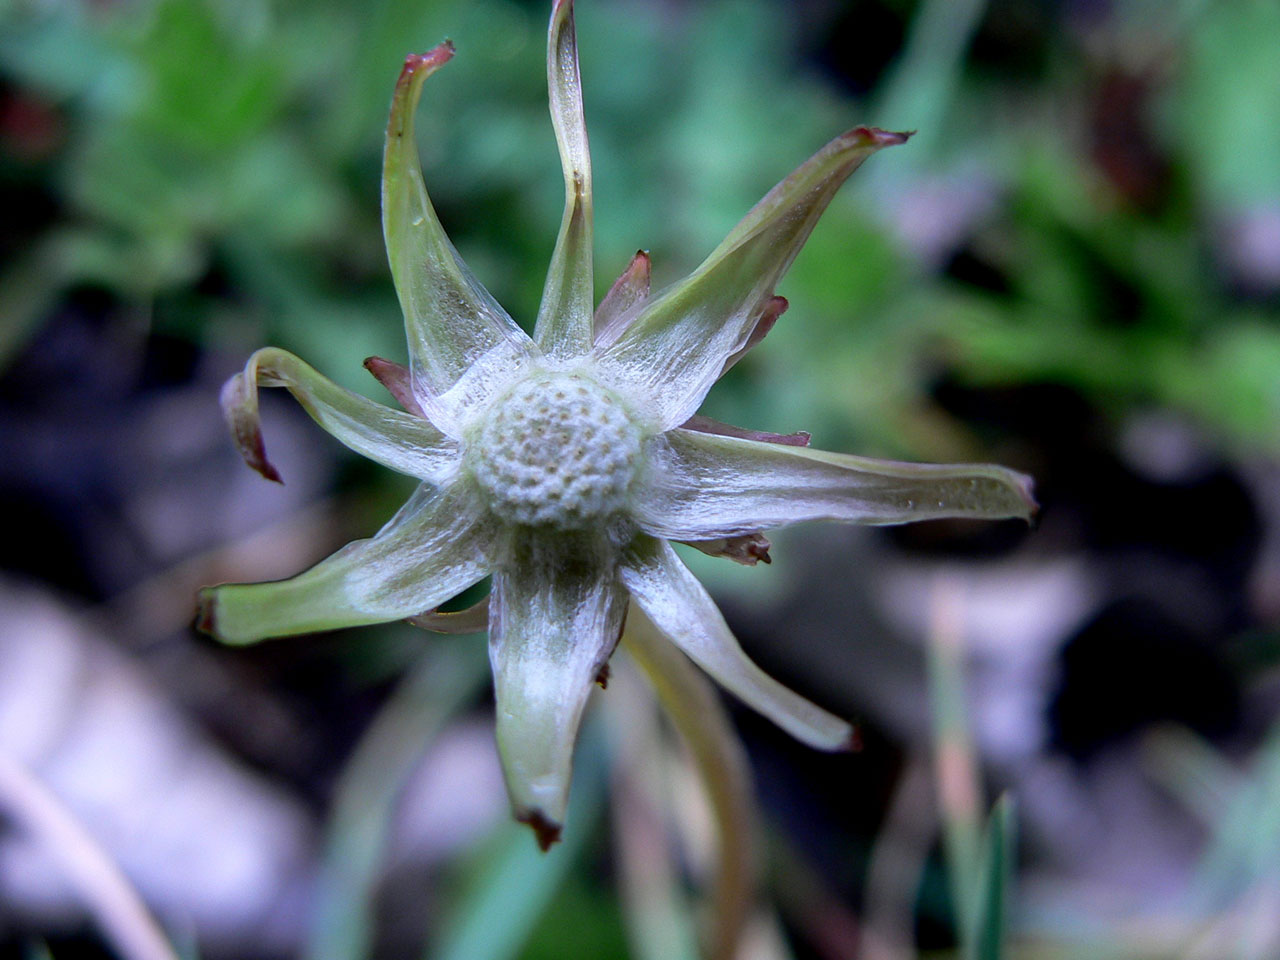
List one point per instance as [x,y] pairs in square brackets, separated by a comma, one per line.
[557,449]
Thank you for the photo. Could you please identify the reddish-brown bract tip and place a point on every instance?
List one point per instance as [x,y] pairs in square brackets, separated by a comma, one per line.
[407,89]
[546,831]
[628,292]
[874,136]
[774,307]
[395,377]
[241,410]
[205,621]
[436,56]
[255,455]
[854,743]
[561,8]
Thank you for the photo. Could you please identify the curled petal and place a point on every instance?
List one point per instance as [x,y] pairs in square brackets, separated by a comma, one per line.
[624,299]
[406,444]
[678,345]
[673,599]
[748,549]
[555,616]
[704,486]
[472,619]
[703,424]
[564,325]
[462,344]
[395,377]
[432,549]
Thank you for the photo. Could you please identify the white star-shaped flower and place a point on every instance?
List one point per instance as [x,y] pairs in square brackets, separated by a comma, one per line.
[563,464]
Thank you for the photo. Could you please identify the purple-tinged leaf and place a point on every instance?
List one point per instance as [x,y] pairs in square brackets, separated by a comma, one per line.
[772,309]
[623,301]
[703,424]
[395,377]
[748,549]
[401,441]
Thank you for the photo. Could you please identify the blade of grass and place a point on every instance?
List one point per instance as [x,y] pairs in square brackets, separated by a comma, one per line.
[955,767]
[921,85]
[660,923]
[444,681]
[993,882]
[702,722]
[896,865]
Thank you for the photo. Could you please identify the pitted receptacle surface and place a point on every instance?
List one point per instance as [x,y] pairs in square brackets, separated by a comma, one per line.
[556,450]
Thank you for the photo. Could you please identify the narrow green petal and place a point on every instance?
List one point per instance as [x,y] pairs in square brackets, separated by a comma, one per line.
[700,486]
[680,343]
[673,599]
[462,344]
[624,299]
[405,443]
[431,550]
[563,329]
[554,618]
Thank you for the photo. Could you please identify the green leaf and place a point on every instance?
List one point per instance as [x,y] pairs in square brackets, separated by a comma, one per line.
[993,885]
[683,612]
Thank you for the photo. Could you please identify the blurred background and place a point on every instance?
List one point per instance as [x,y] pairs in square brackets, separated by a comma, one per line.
[1073,269]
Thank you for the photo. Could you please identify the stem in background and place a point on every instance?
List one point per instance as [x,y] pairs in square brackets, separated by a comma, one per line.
[444,681]
[897,864]
[701,720]
[124,918]
[658,913]
[955,768]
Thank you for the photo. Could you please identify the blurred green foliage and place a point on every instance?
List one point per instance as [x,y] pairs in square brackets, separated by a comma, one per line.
[217,163]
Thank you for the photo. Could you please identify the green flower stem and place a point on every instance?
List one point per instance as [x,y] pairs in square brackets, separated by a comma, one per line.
[955,768]
[702,722]
[124,918]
